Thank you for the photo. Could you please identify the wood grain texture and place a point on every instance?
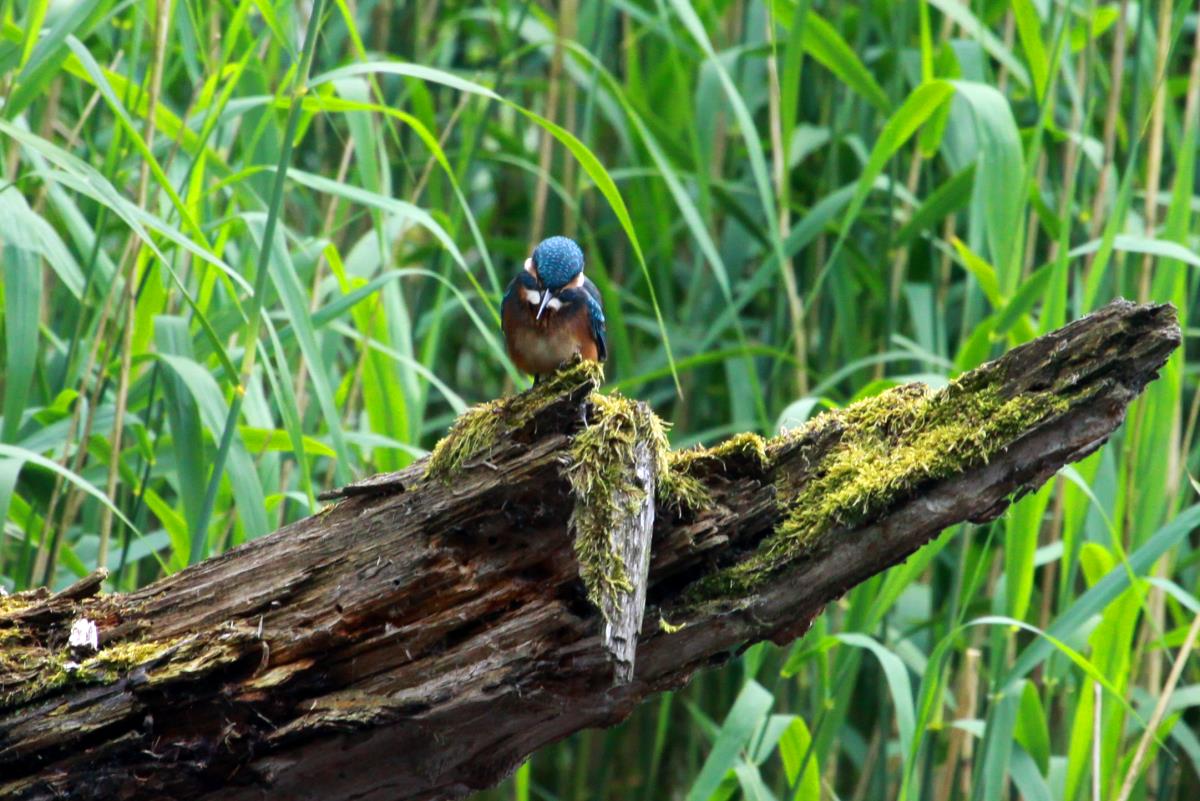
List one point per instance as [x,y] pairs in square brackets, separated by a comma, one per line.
[632,538]
[418,640]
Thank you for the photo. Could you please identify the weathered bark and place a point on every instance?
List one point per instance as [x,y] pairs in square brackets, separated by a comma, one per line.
[421,638]
[632,536]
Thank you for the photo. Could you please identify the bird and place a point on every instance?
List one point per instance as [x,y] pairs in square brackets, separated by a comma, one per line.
[551,311]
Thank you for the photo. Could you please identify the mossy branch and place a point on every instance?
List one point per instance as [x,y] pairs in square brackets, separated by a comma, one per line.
[354,654]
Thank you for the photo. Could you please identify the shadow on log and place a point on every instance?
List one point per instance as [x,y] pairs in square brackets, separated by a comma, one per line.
[423,636]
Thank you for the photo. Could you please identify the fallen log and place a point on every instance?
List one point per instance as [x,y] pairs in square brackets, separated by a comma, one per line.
[425,634]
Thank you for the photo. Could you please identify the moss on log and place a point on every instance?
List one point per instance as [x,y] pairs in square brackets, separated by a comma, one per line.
[353,654]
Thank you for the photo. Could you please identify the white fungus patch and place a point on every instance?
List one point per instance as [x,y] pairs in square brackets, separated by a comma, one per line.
[84,635]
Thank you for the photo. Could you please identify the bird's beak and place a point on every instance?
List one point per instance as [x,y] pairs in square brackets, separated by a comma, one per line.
[545,300]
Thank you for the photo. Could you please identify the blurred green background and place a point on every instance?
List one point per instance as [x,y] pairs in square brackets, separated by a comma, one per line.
[787,205]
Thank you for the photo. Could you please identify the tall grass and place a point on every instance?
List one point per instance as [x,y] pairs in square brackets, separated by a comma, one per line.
[253,249]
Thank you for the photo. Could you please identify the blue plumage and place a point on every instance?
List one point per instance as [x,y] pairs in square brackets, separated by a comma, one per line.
[551,313]
[557,260]
[596,318]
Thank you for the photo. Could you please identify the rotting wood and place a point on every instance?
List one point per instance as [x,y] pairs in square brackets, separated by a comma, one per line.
[421,638]
[632,538]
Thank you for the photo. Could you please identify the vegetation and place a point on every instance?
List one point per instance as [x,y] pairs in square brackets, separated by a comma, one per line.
[891,443]
[253,249]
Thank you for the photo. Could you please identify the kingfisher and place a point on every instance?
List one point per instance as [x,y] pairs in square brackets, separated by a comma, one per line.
[551,312]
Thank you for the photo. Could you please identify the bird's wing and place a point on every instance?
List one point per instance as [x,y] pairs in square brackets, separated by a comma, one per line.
[596,318]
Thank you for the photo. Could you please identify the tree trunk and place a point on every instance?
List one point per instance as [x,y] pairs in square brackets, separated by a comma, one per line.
[423,636]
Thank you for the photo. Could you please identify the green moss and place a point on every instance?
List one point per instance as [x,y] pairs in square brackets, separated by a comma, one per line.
[478,430]
[10,635]
[748,447]
[887,447]
[120,657]
[678,489]
[681,485]
[38,672]
[18,658]
[605,489]
[11,604]
[600,471]
[41,671]
[873,454]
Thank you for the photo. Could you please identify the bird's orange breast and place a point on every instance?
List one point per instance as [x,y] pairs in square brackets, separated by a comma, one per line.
[542,346]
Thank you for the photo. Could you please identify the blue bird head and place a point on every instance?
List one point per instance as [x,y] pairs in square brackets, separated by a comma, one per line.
[558,261]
